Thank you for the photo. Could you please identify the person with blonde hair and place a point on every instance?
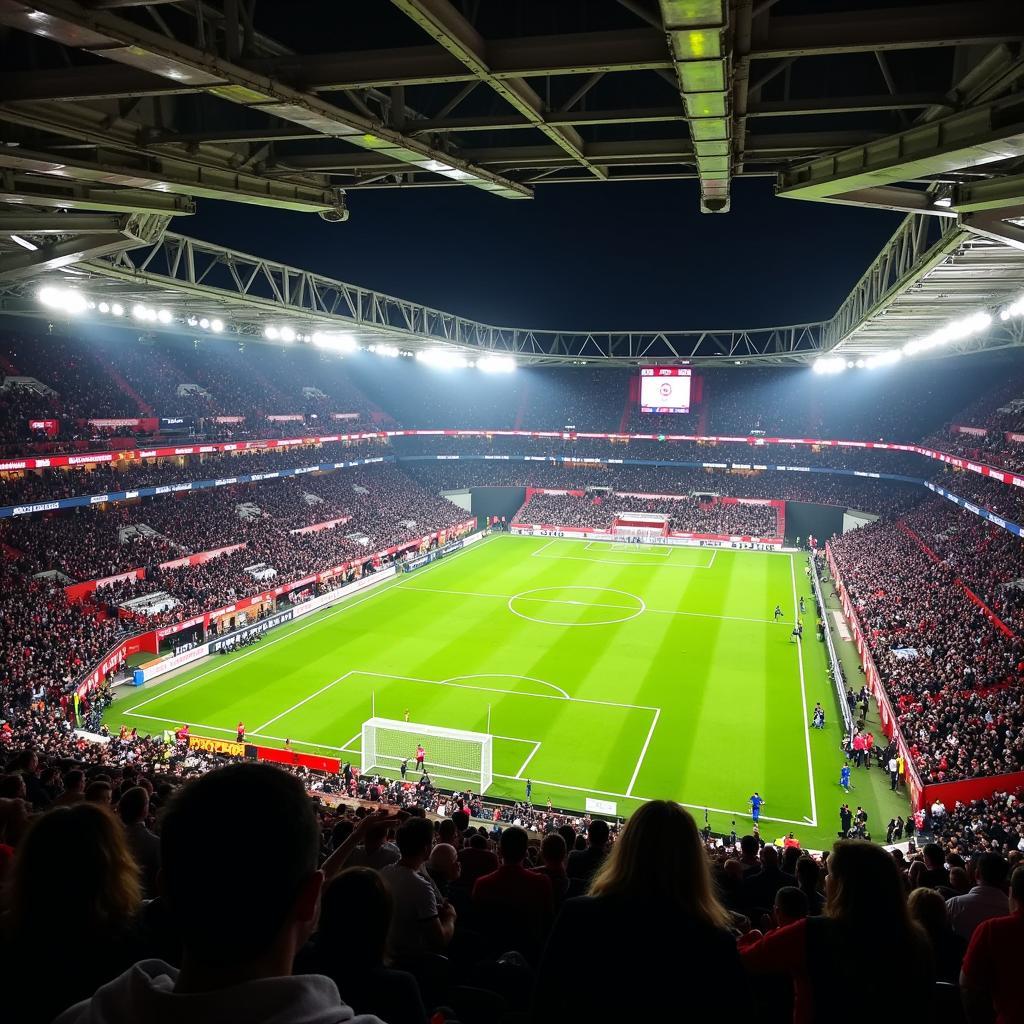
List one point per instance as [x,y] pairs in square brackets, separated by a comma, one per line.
[651,934]
[71,901]
[824,956]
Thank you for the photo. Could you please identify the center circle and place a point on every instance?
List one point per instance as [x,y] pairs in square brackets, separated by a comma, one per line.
[576,606]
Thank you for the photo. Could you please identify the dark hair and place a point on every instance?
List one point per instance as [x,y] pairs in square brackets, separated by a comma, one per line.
[95,790]
[132,805]
[991,869]
[792,902]
[356,899]
[11,786]
[552,847]
[513,844]
[478,841]
[73,868]
[244,836]
[414,837]
[598,831]
[461,819]
[808,874]
[749,845]
[933,852]
[1017,885]
[74,778]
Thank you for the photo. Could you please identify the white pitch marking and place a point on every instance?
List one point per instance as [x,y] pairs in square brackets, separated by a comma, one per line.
[592,604]
[803,697]
[508,675]
[525,596]
[298,704]
[529,758]
[643,753]
[315,620]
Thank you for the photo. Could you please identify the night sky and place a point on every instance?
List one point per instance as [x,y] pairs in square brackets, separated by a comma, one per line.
[602,256]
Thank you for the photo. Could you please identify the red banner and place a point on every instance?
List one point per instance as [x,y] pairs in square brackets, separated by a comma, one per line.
[80,591]
[49,427]
[228,419]
[329,765]
[201,556]
[114,659]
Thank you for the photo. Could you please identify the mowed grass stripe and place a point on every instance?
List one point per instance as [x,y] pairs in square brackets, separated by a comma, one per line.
[728,689]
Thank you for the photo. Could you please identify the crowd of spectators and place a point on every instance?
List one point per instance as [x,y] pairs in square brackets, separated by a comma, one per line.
[408,904]
[683,514]
[953,677]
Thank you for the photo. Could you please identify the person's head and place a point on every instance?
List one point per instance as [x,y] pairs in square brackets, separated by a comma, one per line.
[959,880]
[443,864]
[341,831]
[749,847]
[12,787]
[990,869]
[414,838]
[790,905]
[99,791]
[659,861]
[512,845]
[72,867]
[597,833]
[241,836]
[74,781]
[356,899]
[928,909]
[808,874]
[933,856]
[769,856]
[864,888]
[461,821]
[478,841]
[1017,891]
[133,805]
[568,833]
[447,832]
[553,851]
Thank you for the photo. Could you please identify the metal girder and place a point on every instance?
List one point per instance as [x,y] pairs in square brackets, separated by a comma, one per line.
[187,276]
[902,28]
[91,83]
[53,193]
[84,238]
[966,139]
[530,57]
[970,22]
[997,227]
[439,19]
[169,175]
[122,41]
[993,194]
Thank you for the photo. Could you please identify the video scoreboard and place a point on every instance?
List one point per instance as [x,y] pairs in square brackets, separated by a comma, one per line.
[664,389]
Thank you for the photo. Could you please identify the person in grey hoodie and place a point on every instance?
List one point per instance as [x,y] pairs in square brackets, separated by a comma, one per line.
[239,876]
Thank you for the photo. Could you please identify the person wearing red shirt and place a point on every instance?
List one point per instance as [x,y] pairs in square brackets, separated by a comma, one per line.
[990,976]
[240,733]
[515,906]
[824,955]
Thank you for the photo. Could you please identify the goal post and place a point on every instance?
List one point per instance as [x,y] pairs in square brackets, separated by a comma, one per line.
[454,755]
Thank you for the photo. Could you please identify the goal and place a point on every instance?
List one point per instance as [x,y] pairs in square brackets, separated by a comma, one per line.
[454,755]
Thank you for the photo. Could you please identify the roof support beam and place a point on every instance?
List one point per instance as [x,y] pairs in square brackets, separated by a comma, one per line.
[440,20]
[125,42]
[967,139]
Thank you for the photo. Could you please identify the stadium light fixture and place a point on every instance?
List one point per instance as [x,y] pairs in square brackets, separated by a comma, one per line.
[335,341]
[829,364]
[216,324]
[24,243]
[271,333]
[164,316]
[441,359]
[63,300]
[103,307]
[388,351]
[287,334]
[117,309]
[496,364]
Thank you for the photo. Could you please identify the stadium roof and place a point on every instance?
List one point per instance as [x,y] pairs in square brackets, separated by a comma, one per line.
[118,116]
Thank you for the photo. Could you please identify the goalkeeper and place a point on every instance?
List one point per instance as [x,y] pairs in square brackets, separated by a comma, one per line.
[421,755]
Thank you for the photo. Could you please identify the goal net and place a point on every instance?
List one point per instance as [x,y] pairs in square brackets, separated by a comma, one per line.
[454,755]
[639,527]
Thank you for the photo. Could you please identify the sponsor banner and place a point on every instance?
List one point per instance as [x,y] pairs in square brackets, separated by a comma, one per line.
[1015,438]
[327,765]
[291,417]
[240,635]
[431,556]
[973,431]
[79,591]
[344,415]
[679,539]
[105,424]
[162,666]
[176,422]
[228,419]
[114,659]
[195,485]
[51,428]
[208,745]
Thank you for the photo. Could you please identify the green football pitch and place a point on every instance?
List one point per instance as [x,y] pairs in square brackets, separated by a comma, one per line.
[616,672]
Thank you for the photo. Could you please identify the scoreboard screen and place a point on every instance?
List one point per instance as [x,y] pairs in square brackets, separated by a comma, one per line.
[664,389]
